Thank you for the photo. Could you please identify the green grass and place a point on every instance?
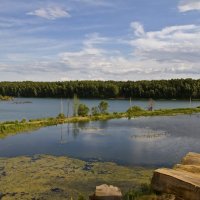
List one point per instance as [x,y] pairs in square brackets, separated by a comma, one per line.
[162,112]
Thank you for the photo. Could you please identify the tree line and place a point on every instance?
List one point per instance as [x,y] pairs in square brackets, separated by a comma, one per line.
[157,89]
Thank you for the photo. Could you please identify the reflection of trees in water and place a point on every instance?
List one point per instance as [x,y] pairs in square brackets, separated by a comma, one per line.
[82,125]
[89,125]
[64,134]
[103,124]
[75,130]
[63,137]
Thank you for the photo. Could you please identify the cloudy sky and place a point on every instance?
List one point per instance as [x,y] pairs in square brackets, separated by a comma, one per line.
[57,40]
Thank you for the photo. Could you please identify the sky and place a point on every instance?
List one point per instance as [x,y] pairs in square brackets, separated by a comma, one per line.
[61,40]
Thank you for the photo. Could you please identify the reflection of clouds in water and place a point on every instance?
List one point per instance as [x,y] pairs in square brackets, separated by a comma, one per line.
[181,125]
[164,152]
[93,130]
[148,135]
[92,140]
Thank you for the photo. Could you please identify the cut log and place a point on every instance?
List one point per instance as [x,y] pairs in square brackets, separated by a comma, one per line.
[183,181]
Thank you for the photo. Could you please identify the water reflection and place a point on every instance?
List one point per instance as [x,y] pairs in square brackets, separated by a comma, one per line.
[151,141]
[64,135]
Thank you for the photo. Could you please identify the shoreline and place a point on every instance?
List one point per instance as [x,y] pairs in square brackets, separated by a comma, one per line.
[12,98]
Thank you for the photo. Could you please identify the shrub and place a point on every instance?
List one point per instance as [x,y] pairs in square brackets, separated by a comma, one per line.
[83,110]
[61,116]
[95,111]
[23,121]
[135,109]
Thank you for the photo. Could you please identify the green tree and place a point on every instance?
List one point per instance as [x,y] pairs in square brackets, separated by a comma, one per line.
[103,107]
[94,111]
[157,89]
[83,110]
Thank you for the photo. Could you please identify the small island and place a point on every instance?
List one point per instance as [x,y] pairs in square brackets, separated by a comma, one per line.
[6,98]
[83,114]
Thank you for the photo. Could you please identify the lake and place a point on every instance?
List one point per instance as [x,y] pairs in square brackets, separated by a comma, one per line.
[146,141]
[31,108]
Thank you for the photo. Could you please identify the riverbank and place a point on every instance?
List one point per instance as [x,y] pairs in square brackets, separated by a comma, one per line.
[14,127]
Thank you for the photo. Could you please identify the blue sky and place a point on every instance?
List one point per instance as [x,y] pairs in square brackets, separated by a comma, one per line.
[46,40]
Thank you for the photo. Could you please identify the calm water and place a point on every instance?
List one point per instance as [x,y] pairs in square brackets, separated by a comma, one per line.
[39,108]
[154,141]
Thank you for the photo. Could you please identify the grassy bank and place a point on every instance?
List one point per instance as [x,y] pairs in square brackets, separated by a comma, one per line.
[14,127]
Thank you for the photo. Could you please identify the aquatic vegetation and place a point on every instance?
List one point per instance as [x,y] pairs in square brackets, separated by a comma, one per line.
[50,177]
[22,102]
[148,134]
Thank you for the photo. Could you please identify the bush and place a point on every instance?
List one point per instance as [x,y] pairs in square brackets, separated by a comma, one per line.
[83,110]
[23,121]
[135,109]
[61,116]
[95,111]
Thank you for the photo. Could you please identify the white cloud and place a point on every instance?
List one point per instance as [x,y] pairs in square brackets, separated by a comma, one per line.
[138,28]
[95,2]
[177,43]
[189,5]
[171,52]
[50,13]
[88,57]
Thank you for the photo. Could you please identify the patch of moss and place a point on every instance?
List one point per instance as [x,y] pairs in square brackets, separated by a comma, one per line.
[49,177]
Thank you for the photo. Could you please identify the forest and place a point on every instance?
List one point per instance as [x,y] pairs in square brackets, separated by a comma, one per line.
[156,89]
